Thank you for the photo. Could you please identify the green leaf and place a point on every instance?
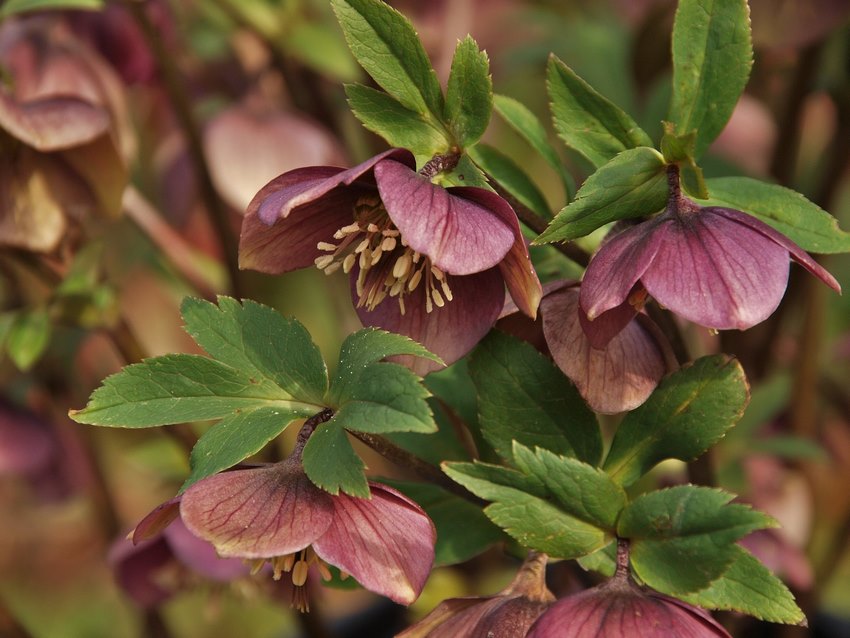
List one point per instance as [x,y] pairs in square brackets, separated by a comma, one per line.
[712,57]
[466,173]
[177,388]
[510,177]
[683,538]
[681,149]
[469,93]
[524,397]
[238,436]
[435,447]
[526,124]
[28,337]
[587,121]
[802,221]
[385,397]
[399,126]
[386,45]
[487,480]
[602,560]
[332,464]
[632,184]
[259,342]
[11,7]
[579,489]
[689,412]
[748,587]
[463,531]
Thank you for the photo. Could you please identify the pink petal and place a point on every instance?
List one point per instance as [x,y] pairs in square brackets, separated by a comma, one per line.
[449,332]
[461,236]
[200,556]
[276,245]
[617,266]
[607,325]
[26,446]
[54,123]
[716,272]
[136,567]
[258,513]
[614,379]
[159,518]
[797,254]
[385,542]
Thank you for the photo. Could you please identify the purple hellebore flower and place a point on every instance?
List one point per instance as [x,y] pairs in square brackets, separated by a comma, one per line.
[425,261]
[508,614]
[275,513]
[717,267]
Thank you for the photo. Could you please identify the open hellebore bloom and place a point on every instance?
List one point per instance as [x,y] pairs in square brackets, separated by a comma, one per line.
[508,614]
[425,261]
[717,267]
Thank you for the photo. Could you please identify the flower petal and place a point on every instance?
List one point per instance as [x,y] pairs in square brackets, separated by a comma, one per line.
[614,379]
[618,265]
[276,245]
[716,272]
[608,325]
[461,236]
[797,254]
[54,123]
[159,518]
[258,513]
[449,332]
[385,542]
[200,556]
[136,568]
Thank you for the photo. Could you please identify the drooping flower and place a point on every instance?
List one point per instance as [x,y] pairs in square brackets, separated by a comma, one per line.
[717,267]
[508,614]
[425,261]
[619,607]
[275,514]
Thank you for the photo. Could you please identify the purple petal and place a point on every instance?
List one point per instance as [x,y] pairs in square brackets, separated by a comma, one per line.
[200,556]
[385,542]
[136,567]
[716,272]
[449,332]
[797,254]
[618,265]
[276,245]
[608,325]
[259,513]
[160,517]
[614,379]
[26,447]
[54,123]
[461,236]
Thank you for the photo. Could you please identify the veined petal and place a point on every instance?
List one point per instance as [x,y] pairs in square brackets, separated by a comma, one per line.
[797,254]
[200,556]
[449,332]
[257,513]
[52,124]
[157,520]
[386,542]
[460,235]
[716,272]
[608,325]
[282,206]
[618,265]
[613,379]
[276,245]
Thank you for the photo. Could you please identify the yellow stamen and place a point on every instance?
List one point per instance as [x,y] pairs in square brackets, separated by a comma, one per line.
[299,573]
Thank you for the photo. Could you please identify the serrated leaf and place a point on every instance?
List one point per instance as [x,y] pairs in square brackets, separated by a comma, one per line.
[510,177]
[683,538]
[386,45]
[332,464]
[712,57]
[526,124]
[11,7]
[587,121]
[466,173]
[469,93]
[259,342]
[689,412]
[463,531]
[786,210]
[177,388]
[486,480]
[236,437]
[399,126]
[748,587]
[28,337]
[524,397]
[632,184]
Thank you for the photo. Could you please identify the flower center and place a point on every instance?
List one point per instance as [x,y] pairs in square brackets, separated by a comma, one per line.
[388,266]
[298,564]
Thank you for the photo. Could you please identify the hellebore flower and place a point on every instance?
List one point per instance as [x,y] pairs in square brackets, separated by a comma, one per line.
[425,261]
[508,614]
[619,607]
[614,362]
[717,267]
[275,513]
